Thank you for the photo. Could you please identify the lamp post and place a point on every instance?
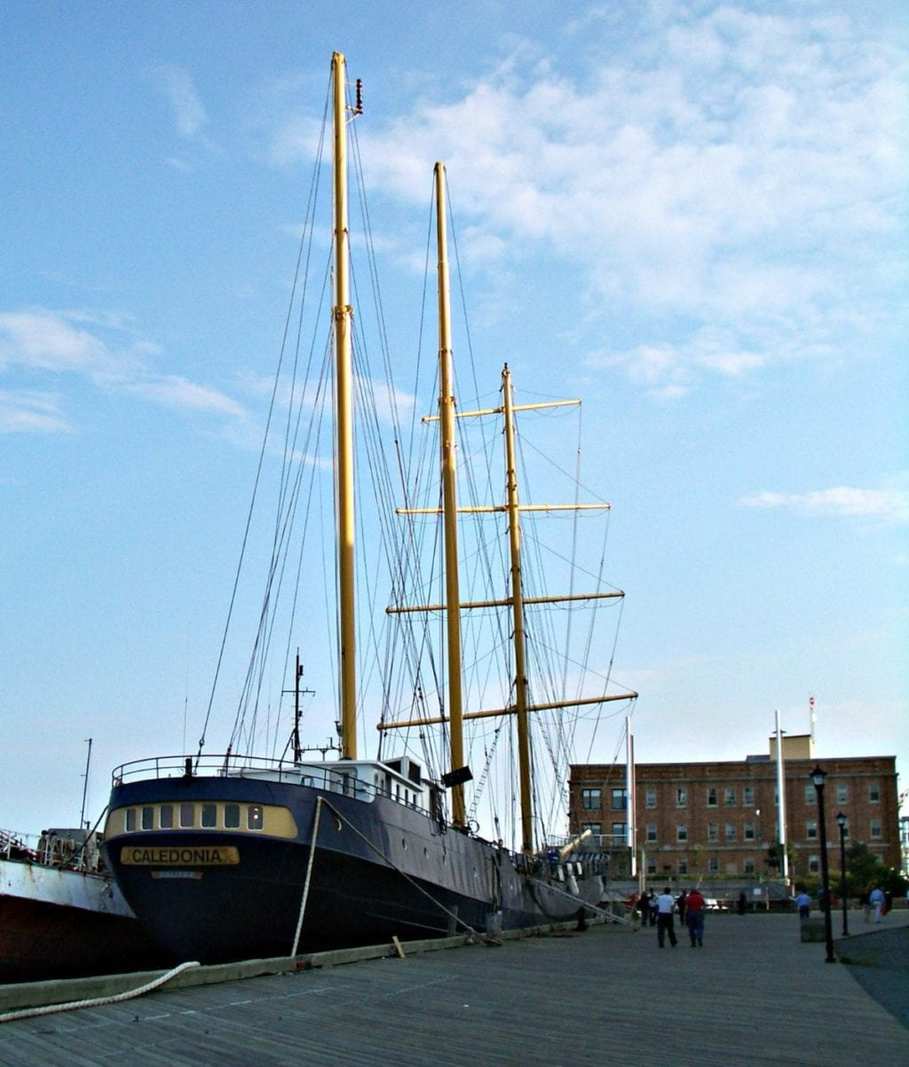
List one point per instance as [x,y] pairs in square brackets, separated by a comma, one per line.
[841,823]
[819,776]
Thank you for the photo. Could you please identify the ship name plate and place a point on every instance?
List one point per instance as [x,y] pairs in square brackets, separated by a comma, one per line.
[180,856]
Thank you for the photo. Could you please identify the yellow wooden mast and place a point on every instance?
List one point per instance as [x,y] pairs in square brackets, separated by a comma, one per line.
[517,613]
[343,321]
[449,501]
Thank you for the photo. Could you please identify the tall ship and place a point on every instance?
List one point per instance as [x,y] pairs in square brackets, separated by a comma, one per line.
[231,856]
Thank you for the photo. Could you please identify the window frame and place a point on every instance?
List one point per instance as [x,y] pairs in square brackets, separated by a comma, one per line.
[587,798]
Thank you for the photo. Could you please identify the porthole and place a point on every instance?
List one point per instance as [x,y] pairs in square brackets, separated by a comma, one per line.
[254,817]
[231,816]
[209,815]
[148,818]
[187,815]
[166,816]
[130,819]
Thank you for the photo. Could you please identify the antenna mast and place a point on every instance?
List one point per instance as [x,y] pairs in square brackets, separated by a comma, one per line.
[88,763]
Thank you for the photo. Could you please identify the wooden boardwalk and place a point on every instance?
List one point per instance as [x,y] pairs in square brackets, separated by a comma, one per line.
[753,995]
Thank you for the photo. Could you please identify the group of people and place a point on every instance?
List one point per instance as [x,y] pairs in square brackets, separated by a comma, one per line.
[660,911]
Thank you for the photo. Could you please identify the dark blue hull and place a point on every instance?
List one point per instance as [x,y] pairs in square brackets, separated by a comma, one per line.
[381,869]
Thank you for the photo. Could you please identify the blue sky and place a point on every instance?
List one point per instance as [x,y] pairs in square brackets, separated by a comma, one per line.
[691,214]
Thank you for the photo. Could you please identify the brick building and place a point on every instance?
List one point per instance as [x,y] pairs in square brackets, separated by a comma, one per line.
[720,818]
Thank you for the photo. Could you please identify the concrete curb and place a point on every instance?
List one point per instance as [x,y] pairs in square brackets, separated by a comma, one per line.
[60,991]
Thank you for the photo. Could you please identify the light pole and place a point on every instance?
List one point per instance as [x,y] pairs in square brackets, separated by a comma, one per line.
[819,776]
[841,823]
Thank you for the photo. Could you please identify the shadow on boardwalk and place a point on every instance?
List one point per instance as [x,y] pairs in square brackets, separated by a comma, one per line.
[754,994]
[878,959]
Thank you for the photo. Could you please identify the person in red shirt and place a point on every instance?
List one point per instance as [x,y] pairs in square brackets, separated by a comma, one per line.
[694,916]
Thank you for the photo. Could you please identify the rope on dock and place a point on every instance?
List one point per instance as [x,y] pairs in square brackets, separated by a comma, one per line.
[96,1002]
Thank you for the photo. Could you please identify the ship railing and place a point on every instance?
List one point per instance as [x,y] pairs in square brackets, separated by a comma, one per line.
[47,849]
[229,765]
[18,846]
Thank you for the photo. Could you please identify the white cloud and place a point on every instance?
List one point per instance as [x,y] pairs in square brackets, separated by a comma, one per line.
[31,411]
[46,340]
[40,342]
[189,113]
[706,175]
[889,505]
[174,391]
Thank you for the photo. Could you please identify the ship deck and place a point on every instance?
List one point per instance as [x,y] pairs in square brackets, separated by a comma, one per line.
[755,994]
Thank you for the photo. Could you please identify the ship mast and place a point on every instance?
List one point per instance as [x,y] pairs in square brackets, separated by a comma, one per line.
[343,320]
[453,605]
[449,502]
[517,612]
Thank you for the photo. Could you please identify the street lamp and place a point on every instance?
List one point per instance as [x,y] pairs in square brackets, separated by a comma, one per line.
[819,776]
[841,823]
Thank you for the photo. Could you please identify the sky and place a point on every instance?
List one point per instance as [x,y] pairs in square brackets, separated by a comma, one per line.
[691,214]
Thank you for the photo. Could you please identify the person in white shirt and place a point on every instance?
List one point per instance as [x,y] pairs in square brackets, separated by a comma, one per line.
[876,899]
[665,906]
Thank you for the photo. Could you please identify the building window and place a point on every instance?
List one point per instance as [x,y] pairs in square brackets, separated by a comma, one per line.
[619,800]
[650,798]
[187,813]
[729,796]
[748,867]
[749,831]
[810,793]
[209,815]
[651,866]
[730,831]
[875,829]
[254,817]
[231,816]
[713,832]
[681,797]
[842,793]
[166,816]
[874,793]
[713,865]
[681,832]
[748,796]
[619,829]
[683,866]
[651,832]
[711,796]
[148,818]
[590,799]
[593,827]
[813,864]
[811,830]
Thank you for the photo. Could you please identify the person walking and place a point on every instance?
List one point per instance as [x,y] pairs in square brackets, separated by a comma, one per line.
[682,903]
[644,907]
[742,903]
[694,915]
[654,908]
[665,907]
[877,900]
[803,903]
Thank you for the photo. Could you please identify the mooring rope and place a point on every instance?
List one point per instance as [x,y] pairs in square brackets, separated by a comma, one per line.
[96,1002]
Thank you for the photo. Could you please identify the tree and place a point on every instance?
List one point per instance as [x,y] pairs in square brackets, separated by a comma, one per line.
[864,870]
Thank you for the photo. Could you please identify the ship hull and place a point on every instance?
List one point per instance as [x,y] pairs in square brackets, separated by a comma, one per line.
[61,923]
[380,869]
